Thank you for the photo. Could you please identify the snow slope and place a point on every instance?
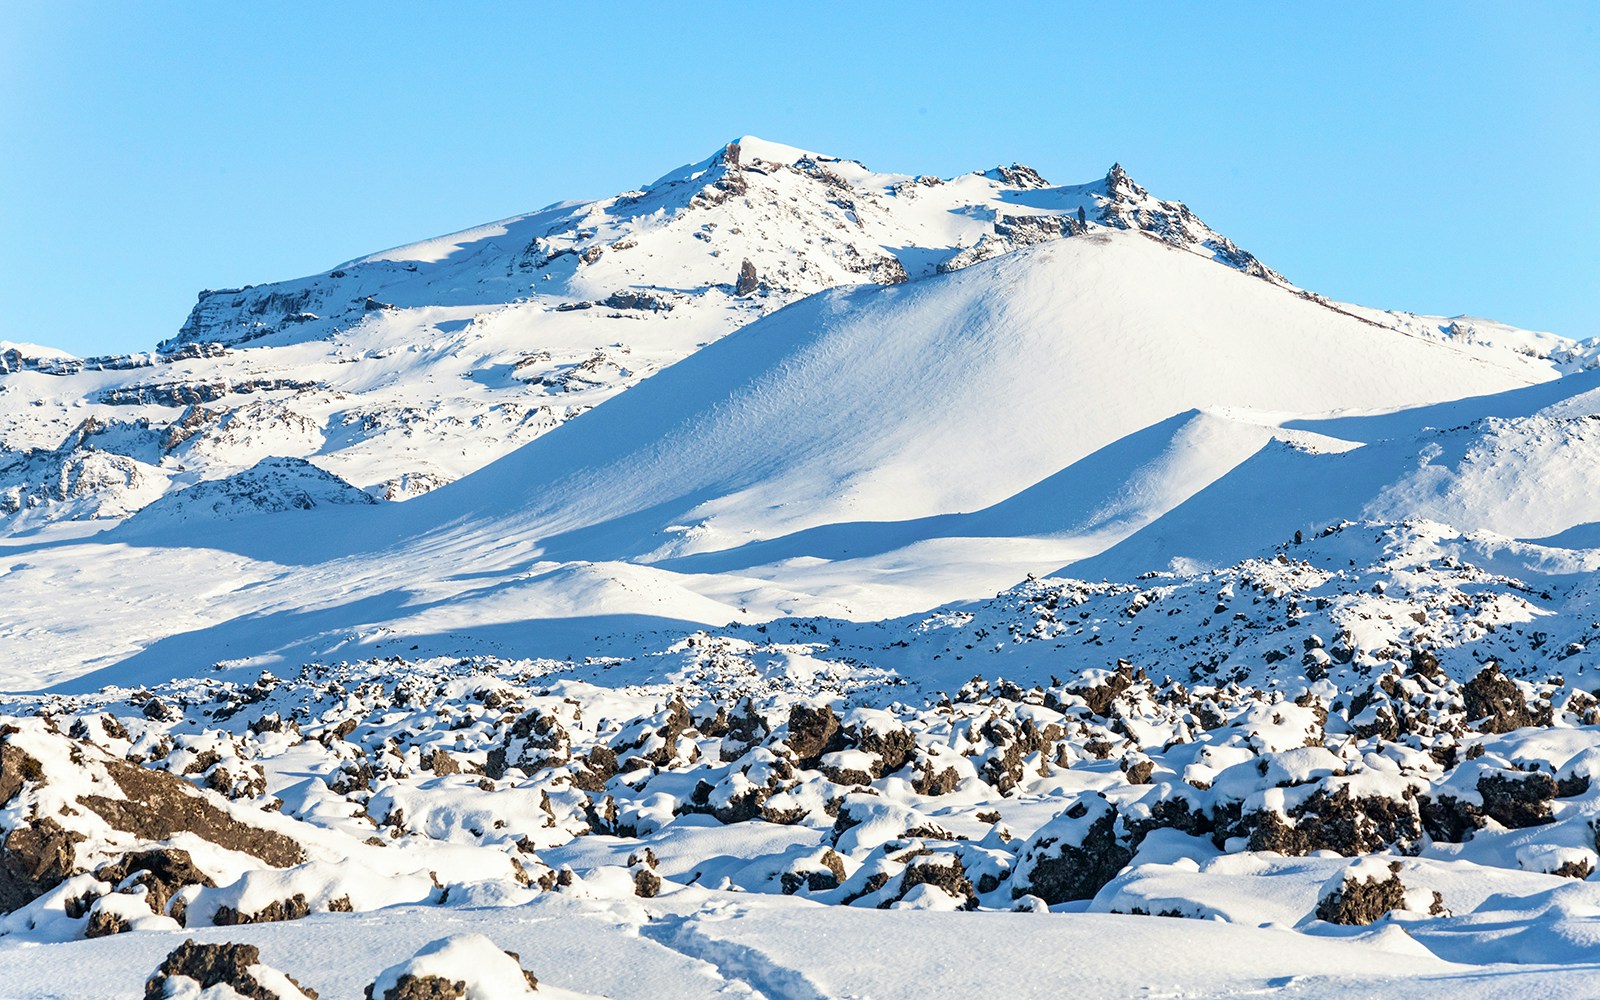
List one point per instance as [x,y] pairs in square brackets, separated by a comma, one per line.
[862,453]
[949,395]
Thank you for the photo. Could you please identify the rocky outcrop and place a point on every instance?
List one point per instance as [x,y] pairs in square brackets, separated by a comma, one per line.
[216,967]
[748,282]
[193,393]
[1073,855]
[52,843]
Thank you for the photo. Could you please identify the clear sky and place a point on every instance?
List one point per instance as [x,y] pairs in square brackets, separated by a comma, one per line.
[1435,157]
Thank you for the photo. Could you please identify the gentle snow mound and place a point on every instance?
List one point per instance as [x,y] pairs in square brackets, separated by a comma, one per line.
[486,972]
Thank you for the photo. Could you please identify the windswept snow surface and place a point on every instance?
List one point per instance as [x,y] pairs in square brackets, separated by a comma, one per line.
[791,580]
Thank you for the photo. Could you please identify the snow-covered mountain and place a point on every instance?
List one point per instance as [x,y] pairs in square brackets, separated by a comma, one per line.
[787,540]
[410,368]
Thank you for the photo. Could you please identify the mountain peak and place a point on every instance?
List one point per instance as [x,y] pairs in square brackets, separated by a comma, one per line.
[751,147]
[1118,183]
[1018,176]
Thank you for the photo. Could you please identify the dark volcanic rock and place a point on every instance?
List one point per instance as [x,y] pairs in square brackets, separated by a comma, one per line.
[811,732]
[748,280]
[161,871]
[1073,856]
[423,988]
[1494,702]
[160,805]
[211,965]
[1517,799]
[1362,902]
[293,908]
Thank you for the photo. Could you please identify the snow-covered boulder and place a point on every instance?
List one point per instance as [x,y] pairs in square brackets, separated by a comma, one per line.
[221,972]
[1073,855]
[460,967]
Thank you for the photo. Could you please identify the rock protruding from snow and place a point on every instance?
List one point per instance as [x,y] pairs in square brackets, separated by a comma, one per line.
[225,971]
[1073,855]
[1368,891]
[68,806]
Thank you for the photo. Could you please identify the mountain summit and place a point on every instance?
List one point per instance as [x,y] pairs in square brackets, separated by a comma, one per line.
[805,221]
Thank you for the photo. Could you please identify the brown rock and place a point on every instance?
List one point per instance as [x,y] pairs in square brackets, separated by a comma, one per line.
[293,908]
[162,872]
[160,805]
[211,965]
[1494,702]
[1362,902]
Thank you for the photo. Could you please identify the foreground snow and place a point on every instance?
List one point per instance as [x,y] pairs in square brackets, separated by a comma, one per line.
[706,944]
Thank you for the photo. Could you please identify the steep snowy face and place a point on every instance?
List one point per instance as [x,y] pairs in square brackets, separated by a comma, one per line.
[409,368]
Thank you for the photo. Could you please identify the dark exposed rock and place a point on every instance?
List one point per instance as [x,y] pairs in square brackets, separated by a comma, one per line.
[829,876]
[595,769]
[441,763]
[1362,902]
[932,781]
[351,776]
[195,393]
[293,908]
[1100,696]
[748,280]
[16,770]
[104,923]
[646,883]
[811,732]
[1517,799]
[1019,176]
[1060,870]
[410,987]
[1494,702]
[949,875]
[35,858]
[157,710]
[1579,870]
[745,729]
[536,740]
[1339,822]
[162,871]
[637,299]
[1138,770]
[846,775]
[1449,819]
[211,965]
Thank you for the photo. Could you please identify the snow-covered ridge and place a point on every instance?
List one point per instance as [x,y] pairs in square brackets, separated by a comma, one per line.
[406,369]
[805,221]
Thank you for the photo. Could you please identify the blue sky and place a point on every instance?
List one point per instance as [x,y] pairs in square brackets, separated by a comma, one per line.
[1434,157]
